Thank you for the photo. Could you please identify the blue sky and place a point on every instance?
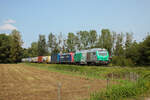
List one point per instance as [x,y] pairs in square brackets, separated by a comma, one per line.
[34,17]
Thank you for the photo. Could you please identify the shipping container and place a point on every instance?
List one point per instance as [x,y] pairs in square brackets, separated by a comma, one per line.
[32,59]
[67,58]
[29,59]
[26,60]
[55,58]
[23,60]
[48,59]
[44,59]
[35,59]
[40,59]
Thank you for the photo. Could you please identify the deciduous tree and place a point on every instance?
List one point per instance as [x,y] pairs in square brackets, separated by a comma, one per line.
[5,47]
[16,46]
[71,42]
[42,46]
[119,51]
[52,43]
[92,38]
[83,39]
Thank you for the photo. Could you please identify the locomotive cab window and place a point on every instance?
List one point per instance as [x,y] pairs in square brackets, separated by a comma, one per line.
[103,53]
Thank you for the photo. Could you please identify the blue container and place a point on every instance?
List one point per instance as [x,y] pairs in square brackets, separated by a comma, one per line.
[55,58]
[65,58]
[58,58]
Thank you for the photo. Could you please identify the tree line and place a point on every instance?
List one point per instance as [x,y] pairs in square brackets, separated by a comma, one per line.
[123,49]
[10,47]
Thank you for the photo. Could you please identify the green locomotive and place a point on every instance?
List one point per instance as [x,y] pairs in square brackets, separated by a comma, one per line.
[96,56]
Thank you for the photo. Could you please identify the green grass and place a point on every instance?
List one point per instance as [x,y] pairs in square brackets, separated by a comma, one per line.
[91,71]
[123,90]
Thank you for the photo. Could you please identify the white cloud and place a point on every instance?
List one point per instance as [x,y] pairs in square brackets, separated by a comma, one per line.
[9,21]
[7,25]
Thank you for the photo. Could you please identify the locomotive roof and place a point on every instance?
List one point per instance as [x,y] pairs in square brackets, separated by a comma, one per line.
[91,50]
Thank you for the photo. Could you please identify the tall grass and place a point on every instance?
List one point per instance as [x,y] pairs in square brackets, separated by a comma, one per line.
[122,91]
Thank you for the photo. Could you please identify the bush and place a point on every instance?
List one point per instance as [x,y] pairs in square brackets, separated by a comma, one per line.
[128,62]
[121,61]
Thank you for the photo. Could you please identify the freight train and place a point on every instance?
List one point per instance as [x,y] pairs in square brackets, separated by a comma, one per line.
[96,56]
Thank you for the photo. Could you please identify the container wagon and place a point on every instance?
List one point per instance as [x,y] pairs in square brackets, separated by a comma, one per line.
[44,59]
[29,60]
[34,59]
[26,59]
[55,58]
[23,60]
[67,58]
[48,59]
[40,59]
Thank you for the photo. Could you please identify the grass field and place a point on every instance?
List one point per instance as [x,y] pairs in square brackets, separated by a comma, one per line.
[28,81]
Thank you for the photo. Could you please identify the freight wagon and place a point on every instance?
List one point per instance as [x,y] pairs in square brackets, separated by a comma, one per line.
[67,58]
[34,59]
[23,60]
[40,59]
[46,59]
[29,59]
[55,58]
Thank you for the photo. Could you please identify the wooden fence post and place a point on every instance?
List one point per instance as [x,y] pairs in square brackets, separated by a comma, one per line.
[59,89]
[107,83]
[112,76]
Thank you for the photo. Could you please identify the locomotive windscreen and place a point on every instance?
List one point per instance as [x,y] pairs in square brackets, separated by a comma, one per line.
[103,53]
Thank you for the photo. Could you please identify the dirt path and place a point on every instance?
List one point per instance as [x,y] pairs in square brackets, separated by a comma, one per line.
[18,82]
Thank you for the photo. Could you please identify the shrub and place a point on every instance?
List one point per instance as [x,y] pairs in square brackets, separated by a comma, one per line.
[121,61]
